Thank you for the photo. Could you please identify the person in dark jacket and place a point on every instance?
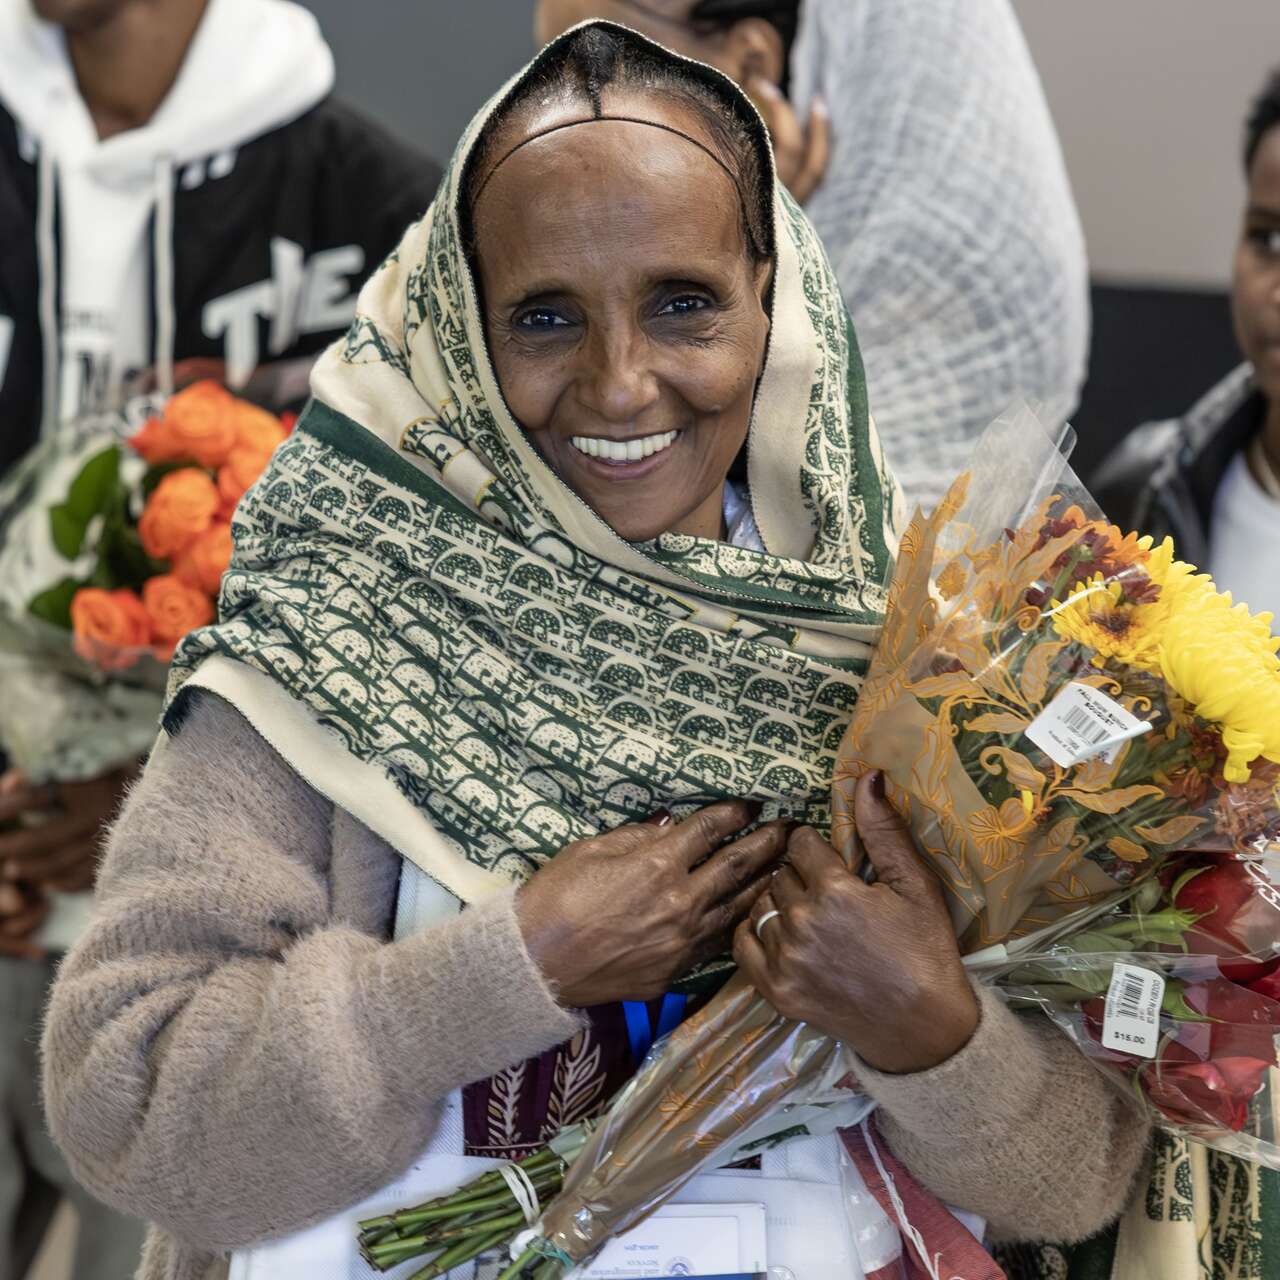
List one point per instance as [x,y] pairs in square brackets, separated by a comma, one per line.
[180,196]
[1212,477]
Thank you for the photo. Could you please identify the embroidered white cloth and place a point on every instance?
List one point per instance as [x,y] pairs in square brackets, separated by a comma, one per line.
[949,219]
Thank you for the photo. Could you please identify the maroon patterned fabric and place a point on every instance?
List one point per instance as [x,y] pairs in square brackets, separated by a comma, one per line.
[514,1112]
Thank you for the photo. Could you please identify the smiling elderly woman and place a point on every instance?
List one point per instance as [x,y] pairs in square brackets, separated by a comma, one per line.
[496,603]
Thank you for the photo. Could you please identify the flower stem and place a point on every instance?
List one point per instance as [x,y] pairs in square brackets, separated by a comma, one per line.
[461,1252]
[516,1269]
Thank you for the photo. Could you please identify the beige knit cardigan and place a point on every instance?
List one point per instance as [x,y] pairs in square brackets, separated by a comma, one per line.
[236,1050]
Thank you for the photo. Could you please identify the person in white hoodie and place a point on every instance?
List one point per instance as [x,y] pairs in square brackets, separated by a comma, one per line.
[180,195]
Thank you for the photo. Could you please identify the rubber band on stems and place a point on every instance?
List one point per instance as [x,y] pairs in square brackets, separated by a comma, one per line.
[522,1188]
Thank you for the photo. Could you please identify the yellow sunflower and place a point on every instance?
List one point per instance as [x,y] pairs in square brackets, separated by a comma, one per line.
[1097,616]
[1222,660]
[1124,618]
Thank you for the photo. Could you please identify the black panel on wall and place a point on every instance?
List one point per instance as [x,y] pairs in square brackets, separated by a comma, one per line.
[1153,353]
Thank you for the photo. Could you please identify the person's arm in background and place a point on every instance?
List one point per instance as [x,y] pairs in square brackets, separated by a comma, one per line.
[49,834]
[948,217]
[70,747]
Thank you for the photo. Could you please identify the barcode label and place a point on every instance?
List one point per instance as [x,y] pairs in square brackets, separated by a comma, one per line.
[1080,723]
[1131,1022]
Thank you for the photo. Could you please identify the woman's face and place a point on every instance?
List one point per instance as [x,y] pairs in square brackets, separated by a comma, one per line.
[625,317]
[1255,293]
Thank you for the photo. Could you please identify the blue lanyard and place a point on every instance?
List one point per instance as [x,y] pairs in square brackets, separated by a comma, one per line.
[641,1033]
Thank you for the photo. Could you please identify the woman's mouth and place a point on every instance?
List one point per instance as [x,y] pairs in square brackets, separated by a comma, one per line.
[621,452]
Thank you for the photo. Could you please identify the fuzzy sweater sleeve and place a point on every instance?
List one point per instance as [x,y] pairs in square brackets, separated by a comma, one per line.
[1018,1127]
[234,1050]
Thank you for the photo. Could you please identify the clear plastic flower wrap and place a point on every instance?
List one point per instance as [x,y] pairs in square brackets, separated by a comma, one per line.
[1060,710]
[1173,994]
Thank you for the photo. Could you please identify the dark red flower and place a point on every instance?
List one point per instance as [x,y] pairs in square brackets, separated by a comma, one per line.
[1236,917]
[1269,984]
[1214,1093]
[1213,1056]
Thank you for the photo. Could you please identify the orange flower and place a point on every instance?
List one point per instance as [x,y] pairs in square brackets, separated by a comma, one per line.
[174,607]
[205,560]
[109,626]
[239,471]
[202,419]
[999,833]
[156,442]
[256,428]
[180,509]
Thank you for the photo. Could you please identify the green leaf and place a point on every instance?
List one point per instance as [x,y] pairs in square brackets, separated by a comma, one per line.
[93,491]
[67,532]
[54,605]
[121,557]
[93,488]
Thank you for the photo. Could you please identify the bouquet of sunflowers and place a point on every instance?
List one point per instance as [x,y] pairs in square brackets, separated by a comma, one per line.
[114,534]
[1084,736]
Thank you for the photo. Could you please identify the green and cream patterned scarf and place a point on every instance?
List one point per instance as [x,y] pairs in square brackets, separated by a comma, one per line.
[417,600]
[1198,1215]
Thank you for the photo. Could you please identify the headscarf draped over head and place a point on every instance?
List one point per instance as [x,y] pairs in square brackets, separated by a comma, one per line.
[443,638]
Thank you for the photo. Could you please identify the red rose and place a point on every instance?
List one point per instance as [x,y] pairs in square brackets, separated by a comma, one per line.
[1269,984]
[1208,1072]
[1214,1053]
[1212,1094]
[1233,901]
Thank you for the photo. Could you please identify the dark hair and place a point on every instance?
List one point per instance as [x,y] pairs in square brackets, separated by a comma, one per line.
[784,14]
[585,63]
[1263,117]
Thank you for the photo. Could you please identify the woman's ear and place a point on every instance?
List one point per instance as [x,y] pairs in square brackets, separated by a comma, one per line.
[763,279]
[753,47]
[763,285]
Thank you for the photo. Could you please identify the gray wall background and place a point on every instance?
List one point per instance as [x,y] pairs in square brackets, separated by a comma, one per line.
[1148,96]
[423,67]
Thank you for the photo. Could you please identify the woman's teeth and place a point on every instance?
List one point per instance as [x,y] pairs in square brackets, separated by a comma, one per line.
[623,450]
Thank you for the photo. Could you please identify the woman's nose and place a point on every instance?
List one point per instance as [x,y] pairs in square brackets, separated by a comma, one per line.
[618,383]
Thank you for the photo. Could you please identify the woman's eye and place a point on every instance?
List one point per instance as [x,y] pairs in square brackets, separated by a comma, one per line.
[1267,241]
[540,318]
[686,304]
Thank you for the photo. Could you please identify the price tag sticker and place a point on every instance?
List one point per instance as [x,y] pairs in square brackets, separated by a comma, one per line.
[1081,723]
[1131,1022]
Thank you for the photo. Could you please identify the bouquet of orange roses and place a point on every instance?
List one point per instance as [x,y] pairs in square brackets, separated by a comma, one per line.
[114,535]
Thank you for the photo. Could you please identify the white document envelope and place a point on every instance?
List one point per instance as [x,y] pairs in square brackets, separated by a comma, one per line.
[686,1239]
[807,1233]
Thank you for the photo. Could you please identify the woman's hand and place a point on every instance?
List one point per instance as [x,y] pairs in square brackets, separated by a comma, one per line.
[801,152]
[621,915]
[22,911]
[873,965]
[59,850]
